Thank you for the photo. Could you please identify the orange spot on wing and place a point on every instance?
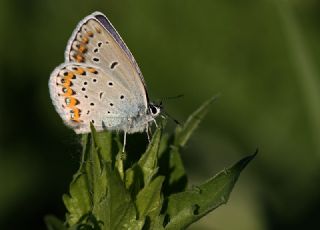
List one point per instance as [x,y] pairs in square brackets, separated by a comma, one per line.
[79,58]
[90,34]
[68,92]
[91,70]
[85,40]
[82,49]
[76,115]
[69,76]
[73,102]
[66,82]
[79,71]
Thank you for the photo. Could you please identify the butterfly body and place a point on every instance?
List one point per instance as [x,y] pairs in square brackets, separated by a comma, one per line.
[100,82]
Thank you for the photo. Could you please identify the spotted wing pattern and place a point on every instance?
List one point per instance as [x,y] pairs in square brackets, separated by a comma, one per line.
[96,42]
[100,81]
[82,94]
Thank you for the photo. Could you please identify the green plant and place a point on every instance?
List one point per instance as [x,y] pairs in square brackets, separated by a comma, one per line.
[151,193]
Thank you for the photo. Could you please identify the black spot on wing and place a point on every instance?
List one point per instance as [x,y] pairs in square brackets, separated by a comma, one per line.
[113,65]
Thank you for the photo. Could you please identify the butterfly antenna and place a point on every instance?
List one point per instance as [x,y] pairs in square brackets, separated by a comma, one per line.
[170,98]
[165,114]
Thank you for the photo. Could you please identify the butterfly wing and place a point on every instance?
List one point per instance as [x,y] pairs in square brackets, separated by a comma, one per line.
[95,41]
[98,23]
[96,57]
[84,93]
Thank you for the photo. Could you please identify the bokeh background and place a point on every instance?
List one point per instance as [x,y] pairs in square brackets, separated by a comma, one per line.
[262,56]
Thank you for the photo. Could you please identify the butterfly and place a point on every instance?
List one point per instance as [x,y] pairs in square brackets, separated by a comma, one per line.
[100,82]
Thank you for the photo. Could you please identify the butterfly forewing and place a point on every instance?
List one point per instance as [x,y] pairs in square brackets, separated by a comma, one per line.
[96,42]
[109,27]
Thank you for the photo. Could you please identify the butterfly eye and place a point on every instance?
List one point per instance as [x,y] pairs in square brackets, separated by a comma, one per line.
[154,110]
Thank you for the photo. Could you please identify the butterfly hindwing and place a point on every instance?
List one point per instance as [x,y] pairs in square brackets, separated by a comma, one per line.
[85,93]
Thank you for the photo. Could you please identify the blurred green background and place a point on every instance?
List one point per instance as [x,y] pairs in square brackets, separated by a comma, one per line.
[262,56]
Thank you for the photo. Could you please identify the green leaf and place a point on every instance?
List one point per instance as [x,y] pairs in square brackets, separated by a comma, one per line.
[119,165]
[177,180]
[171,160]
[120,158]
[156,223]
[181,219]
[78,203]
[88,222]
[149,160]
[183,133]
[134,179]
[96,174]
[143,171]
[103,142]
[53,223]
[164,144]
[89,184]
[204,198]
[86,144]
[149,200]
[120,212]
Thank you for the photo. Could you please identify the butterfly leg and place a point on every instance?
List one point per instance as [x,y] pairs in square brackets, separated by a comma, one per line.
[155,122]
[124,141]
[148,132]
